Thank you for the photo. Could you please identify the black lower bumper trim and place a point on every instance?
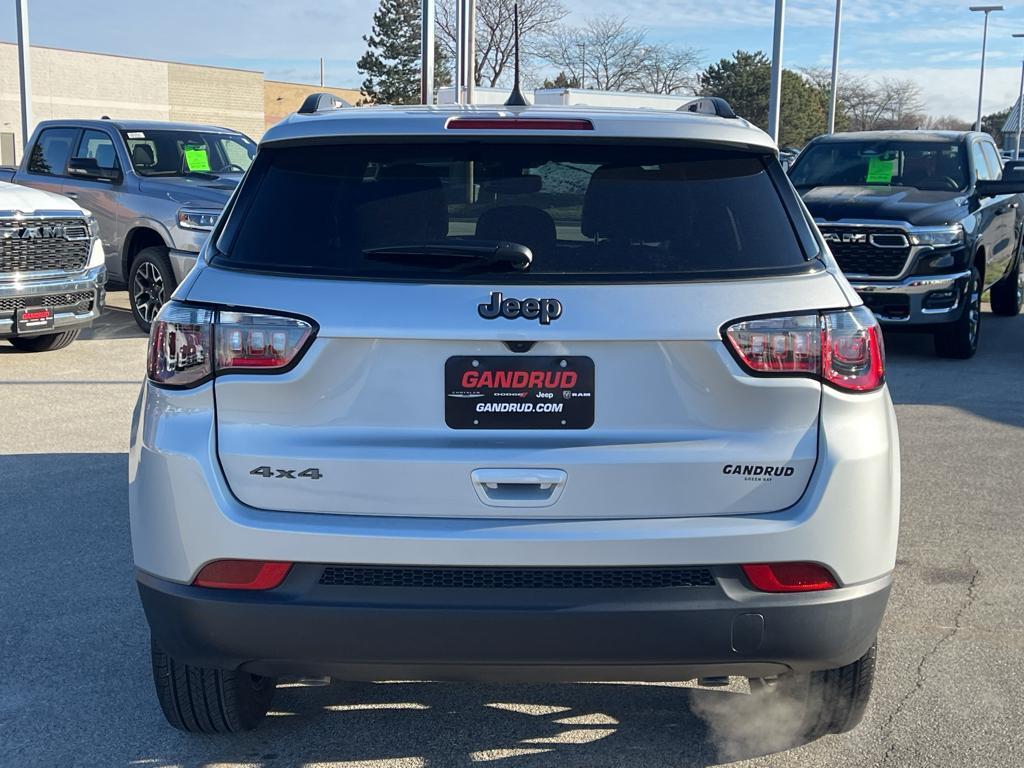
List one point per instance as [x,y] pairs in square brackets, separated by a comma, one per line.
[372,633]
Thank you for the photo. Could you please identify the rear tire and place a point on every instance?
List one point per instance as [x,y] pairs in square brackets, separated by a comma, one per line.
[1006,295]
[832,701]
[202,700]
[150,284]
[959,339]
[45,343]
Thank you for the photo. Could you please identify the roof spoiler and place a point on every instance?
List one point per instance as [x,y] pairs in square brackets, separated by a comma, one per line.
[322,102]
[710,105]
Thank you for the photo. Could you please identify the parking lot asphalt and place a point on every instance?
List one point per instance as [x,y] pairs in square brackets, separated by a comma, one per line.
[75,685]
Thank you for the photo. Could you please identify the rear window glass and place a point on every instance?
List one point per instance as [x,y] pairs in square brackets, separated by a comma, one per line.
[586,212]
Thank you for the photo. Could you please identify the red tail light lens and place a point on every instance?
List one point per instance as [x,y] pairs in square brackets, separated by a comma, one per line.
[843,349]
[263,342]
[789,577]
[181,346]
[242,574]
[190,345]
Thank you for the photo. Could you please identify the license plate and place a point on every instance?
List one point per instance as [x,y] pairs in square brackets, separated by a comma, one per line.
[517,392]
[31,319]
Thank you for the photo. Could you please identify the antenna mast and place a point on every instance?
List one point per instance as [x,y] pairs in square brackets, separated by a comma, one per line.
[516,98]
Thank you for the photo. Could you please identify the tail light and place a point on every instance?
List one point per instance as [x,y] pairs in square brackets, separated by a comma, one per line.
[842,348]
[242,574]
[789,577]
[190,345]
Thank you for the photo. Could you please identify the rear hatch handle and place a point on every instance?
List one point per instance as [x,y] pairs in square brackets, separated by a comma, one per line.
[518,487]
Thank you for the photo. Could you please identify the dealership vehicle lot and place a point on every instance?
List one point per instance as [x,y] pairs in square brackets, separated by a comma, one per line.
[75,687]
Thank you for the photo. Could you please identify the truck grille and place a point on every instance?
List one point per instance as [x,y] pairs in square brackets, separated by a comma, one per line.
[516,578]
[867,258]
[40,254]
[83,298]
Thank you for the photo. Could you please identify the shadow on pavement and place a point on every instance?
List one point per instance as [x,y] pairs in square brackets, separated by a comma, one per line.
[918,377]
[116,321]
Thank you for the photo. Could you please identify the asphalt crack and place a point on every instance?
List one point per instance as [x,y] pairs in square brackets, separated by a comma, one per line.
[965,605]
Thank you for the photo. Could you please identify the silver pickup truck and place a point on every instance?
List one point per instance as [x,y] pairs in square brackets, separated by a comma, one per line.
[155,188]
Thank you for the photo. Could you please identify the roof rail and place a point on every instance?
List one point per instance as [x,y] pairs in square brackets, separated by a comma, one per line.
[710,105]
[322,102]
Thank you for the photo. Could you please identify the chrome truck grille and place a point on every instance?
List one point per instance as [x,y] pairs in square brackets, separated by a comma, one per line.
[868,251]
[43,245]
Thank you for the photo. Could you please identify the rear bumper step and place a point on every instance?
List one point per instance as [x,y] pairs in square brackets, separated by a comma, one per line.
[511,633]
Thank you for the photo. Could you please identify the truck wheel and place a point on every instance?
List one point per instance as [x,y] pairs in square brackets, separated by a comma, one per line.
[45,343]
[832,701]
[200,700]
[1006,295]
[150,284]
[959,339]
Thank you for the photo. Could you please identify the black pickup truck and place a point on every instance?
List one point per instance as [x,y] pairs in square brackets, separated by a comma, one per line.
[922,223]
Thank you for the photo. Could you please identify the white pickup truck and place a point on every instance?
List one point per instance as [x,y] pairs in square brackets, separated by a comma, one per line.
[52,272]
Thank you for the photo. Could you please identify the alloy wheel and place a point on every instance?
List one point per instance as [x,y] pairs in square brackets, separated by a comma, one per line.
[148,291]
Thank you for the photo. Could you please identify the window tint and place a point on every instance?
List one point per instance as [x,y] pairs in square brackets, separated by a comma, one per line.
[181,152]
[586,212]
[925,165]
[50,153]
[981,169]
[995,165]
[98,146]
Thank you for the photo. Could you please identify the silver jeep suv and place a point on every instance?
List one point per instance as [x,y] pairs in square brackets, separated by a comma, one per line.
[514,394]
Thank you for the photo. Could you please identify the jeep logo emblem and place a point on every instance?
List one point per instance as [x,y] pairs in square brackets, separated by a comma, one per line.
[545,310]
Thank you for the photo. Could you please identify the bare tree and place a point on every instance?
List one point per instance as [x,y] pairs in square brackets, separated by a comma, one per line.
[495,39]
[866,105]
[609,54]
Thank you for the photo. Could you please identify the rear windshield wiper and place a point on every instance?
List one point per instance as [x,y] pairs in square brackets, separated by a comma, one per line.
[448,255]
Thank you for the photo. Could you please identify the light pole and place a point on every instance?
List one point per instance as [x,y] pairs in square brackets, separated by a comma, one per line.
[835,70]
[1020,105]
[775,95]
[24,71]
[986,9]
[426,53]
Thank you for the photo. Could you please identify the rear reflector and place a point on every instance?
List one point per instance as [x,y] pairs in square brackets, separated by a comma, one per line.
[789,577]
[242,574]
[518,124]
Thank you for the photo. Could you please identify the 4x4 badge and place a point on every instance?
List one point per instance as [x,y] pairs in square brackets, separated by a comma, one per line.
[545,310]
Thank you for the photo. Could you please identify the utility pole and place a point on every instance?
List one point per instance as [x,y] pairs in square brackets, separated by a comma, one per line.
[986,9]
[470,49]
[427,53]
[835,70]
[321,71]
[775,96]
[460,48]
[1020,105]
[24,71]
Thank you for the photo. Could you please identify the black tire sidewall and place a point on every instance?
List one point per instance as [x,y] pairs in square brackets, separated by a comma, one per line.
[47,342]
[158,257]
[953,339]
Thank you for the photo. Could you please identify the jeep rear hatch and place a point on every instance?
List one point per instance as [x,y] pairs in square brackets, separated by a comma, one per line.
[594,382]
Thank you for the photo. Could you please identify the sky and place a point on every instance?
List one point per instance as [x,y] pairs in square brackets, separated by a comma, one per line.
[936,42]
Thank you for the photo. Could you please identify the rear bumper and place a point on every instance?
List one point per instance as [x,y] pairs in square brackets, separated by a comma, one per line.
[369,633]
[915,300]
[53,292]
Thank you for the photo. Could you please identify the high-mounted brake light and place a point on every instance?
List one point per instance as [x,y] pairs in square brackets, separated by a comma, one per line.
[842,348]
[789,577]
[518,124]
[189,345]
[242,574]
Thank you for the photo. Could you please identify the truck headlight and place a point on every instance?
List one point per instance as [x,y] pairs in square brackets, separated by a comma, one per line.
[938,237]
[197,218]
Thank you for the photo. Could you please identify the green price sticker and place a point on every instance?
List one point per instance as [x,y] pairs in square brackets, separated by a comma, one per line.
[197,158]
[880,170]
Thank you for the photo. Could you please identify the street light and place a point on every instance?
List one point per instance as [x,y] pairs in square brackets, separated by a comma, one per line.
[986,9]
[835,70]
[1020,98]
[775,95]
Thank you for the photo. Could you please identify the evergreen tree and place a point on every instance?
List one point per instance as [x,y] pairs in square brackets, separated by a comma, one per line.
[745,81]
[392,59]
